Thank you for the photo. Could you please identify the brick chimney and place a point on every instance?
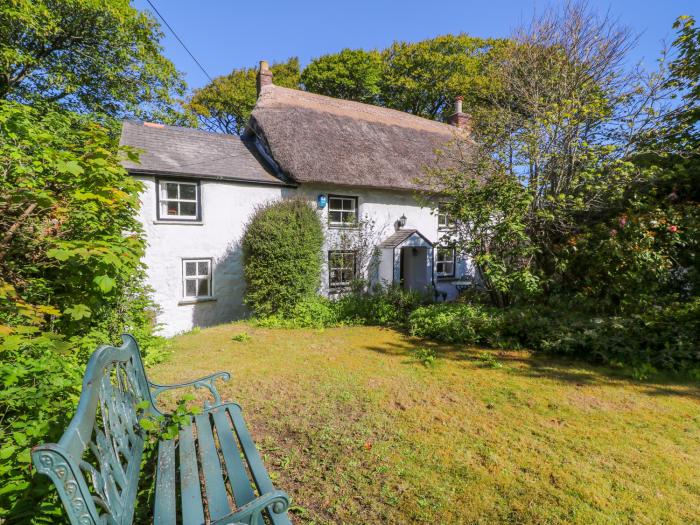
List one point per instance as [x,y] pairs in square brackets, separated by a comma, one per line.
[459,118]
[264,75]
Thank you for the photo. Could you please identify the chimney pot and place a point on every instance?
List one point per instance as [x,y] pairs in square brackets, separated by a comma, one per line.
[460,119]
[264,75]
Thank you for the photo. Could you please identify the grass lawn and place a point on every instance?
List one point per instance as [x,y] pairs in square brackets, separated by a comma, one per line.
[357,430]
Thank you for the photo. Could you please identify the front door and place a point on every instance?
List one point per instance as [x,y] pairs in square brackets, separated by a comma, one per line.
[415,268]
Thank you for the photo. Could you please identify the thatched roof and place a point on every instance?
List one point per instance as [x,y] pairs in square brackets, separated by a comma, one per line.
[314,138]
[185,152]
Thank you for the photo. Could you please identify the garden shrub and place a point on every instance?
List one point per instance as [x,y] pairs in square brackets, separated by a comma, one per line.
[383,305]
[663,337]
[71,279]
[456,323]
[282,256]
[311,312]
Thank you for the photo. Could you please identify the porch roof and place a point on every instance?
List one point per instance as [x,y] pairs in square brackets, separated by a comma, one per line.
[400,237]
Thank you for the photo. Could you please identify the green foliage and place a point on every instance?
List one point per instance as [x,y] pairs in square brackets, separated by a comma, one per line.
[311,312]
[455,323]
[88,55]
[685,71]
[426,356]
[71,280]
[425,77]
[351,74]
[159,426]
[663,337]
[225,104]
[422,78]
[282,256]
[243,337]
[66,205]
[488,360]
[382,306]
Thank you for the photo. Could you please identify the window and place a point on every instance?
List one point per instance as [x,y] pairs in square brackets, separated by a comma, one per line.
[342,211]
[178,200]
[196,278]
[341,268]
[444,221]
[445,262]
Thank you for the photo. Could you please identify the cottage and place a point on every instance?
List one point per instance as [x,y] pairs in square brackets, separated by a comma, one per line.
[359,164]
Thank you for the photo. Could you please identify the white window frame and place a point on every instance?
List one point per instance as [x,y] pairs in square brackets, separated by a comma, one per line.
[354,210]
[163,201]
[198,276]
[443,219]
[441,264]
[341,284]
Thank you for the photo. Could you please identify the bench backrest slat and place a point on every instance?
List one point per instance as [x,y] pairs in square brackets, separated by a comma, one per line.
[95,465]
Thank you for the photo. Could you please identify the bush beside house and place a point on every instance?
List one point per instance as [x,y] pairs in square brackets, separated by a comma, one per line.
[282,256]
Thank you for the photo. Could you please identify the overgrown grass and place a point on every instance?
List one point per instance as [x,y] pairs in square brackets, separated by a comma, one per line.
[358,430]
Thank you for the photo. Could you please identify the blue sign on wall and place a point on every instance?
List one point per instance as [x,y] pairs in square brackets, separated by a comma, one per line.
[322,200]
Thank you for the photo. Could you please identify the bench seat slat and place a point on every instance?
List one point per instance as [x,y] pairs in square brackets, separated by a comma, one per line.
[242,490]
[217,500]
[260,475]
[190,493]
[165,506]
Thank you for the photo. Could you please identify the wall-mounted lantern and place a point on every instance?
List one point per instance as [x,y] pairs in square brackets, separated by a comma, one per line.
[322,201]
[402,221]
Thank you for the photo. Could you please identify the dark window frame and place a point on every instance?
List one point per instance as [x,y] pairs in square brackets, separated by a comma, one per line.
[210,276]
[333,285]
[179,218]
[354,224]
[454,262]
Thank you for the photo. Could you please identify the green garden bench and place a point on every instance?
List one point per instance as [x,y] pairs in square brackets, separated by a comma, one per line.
[210,473]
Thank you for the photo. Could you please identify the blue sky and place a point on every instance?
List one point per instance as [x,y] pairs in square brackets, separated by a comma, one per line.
[226,34]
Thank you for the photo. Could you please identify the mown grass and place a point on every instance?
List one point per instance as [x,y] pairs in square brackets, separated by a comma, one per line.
[359,427]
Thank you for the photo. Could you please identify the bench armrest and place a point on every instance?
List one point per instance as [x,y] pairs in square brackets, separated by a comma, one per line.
[203,382]
[277,502]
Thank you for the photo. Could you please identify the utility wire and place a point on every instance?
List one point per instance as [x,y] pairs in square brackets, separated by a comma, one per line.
[180,40]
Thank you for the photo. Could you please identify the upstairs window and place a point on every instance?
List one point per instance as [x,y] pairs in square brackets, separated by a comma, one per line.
[196,278]
[444,220]
[178,200]
[341,268]
[342,211]
[445,262]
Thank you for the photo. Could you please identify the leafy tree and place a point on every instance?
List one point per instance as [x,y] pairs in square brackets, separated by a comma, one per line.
[88,55]
[425,77]
[71,278]
[66,205]
[559,95]
[225,104]
[685,75]
[352,74]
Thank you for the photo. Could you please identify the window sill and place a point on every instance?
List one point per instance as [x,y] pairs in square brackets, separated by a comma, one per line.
[179,222]
[197,300]
[447,278]
[344,226]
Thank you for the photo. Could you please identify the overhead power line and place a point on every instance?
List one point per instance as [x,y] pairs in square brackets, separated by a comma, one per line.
[180,40]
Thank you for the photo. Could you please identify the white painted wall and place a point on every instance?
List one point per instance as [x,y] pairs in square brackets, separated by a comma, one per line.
[226,207]
[385,207]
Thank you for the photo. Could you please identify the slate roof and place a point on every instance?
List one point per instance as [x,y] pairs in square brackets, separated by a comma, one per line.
[399,237]
[314,138]
[186,152]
